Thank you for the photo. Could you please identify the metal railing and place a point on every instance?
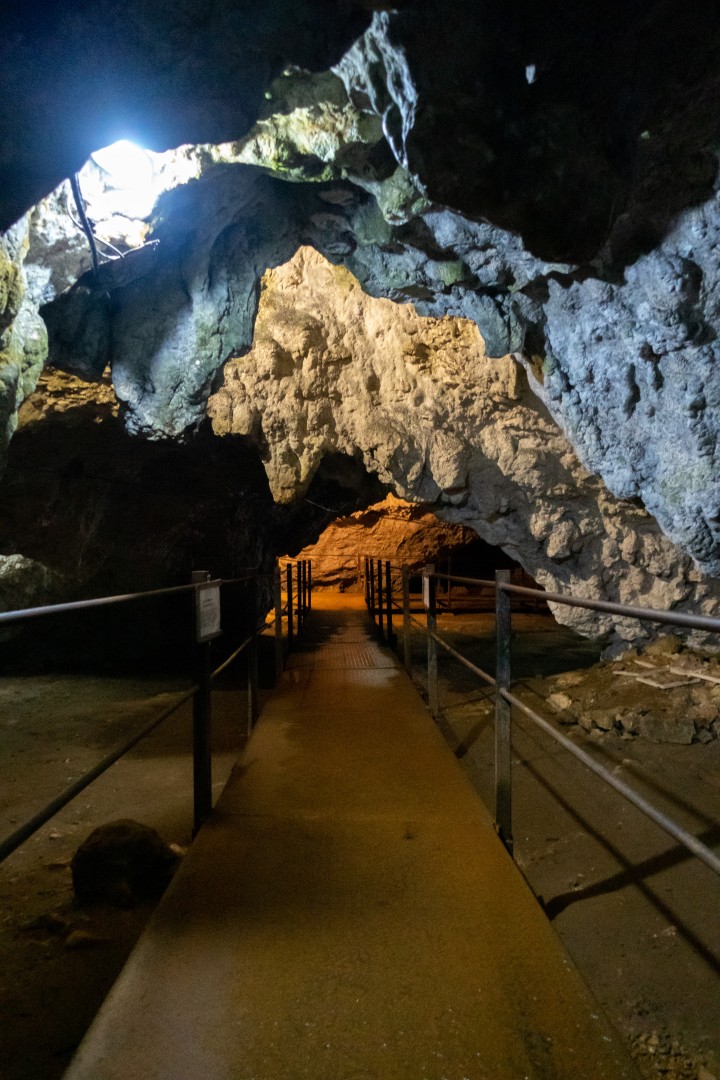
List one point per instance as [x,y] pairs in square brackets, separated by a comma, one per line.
[293,606]
[506,700]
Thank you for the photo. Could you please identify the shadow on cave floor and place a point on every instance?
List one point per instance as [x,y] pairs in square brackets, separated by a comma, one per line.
[637,913]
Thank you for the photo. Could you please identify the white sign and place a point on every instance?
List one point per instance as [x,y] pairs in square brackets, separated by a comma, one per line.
[207,611]
[426,590]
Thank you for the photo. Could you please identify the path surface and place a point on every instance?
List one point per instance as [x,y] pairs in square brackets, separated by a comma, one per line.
[348,912]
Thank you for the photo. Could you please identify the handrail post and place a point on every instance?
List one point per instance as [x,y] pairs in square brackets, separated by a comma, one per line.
[202,754]
[432,652]
[299,596]
[309,584]
[252,661]
[388,592]
[367,586]
[407,656]
[303,575]
[371,578]
[503,713]
[380,598]
[277,590]
[289,590]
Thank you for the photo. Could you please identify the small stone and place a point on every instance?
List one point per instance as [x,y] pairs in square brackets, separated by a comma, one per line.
[568,679]
[704,712]
[704,736]
[559,702]
[630,722]
[83,939]
[667,645]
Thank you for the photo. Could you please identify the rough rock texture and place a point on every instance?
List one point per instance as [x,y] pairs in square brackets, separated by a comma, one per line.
[440,422]
[676,701]
[548,172]
[95,511]
[392,529]
[23,337]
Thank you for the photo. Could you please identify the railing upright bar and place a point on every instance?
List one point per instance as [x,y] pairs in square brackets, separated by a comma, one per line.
[253,705]
[371,578]
[503,713]
[380,598]
[202,753]
[277,596]
[289,591]
[309,584]
[407,654]
[299,597]
[389,598]
[432,653]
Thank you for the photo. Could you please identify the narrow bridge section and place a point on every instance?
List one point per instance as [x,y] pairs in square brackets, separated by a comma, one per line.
[348,912]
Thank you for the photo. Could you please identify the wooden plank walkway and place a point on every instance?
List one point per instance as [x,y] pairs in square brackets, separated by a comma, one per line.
[348,912]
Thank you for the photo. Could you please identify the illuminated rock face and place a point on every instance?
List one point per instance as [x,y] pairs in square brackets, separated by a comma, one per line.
[547,173]
[333,370]
[405,533]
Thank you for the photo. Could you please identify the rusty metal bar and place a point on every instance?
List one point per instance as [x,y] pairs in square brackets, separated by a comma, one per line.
[253,709]
[671,618]
[202,752]
[432,653]
[277,591]
[371,569]
[390,637]
[299,597]
[380,598]
[407,650]
[289,590]
[503,713]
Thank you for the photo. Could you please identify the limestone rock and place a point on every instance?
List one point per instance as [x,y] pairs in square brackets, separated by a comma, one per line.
[392,529]
[418,399]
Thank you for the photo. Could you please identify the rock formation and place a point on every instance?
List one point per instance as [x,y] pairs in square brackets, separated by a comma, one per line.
[406,533]
[549,175]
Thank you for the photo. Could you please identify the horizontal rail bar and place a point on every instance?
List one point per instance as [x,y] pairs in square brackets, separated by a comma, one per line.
[10,843]
[233,656]
[672,618]
[464,580]
[458,656]
[676,831]
[241,648]
[107,601]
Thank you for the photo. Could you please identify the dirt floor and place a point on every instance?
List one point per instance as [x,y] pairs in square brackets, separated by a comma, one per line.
[637,914]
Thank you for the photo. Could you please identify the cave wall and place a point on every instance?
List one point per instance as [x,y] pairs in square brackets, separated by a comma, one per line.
[548,174]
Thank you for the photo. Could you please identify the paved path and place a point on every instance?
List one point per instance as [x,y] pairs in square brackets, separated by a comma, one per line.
[348,912]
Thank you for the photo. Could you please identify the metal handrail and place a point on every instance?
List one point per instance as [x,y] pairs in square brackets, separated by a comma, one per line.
[505,699]
[199,692]
[105,601]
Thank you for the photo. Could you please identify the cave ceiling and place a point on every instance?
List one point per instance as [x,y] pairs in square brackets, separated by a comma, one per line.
[547,172]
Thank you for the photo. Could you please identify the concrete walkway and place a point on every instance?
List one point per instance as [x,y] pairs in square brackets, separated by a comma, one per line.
[348,912]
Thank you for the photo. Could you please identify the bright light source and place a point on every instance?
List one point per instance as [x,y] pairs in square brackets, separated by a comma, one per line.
[129,178]
[127,165]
